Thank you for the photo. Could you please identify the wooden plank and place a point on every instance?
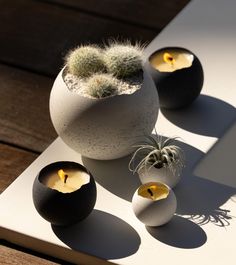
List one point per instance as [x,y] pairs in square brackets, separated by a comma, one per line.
[12,256]
[12,163]
[24,110]
[154,14]
[37,35]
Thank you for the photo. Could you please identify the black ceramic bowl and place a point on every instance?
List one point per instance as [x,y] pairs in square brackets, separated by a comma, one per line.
[181,87]
[63,208]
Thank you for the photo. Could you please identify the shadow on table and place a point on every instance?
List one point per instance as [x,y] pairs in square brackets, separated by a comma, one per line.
[200,201]
[102,235]
[200,198]
[114,175]
[206,116]
[179,232]
[219,162]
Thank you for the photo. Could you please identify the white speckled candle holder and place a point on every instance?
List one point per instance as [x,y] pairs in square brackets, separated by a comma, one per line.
[154,203]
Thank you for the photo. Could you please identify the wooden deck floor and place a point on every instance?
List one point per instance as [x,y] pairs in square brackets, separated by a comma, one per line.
[34,38]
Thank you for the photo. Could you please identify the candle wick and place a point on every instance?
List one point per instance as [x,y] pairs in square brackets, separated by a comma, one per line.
[168,58]
[65,178]
[150,192]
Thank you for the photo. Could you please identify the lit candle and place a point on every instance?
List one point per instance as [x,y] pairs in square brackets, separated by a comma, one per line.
[64,193]
[171,60]
[66,181]
[177,74]
[154,191]
[154,203]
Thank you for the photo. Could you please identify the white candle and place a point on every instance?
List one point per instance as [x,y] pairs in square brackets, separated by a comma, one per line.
[153,191]
[67,180]
[171,60]
[154,203]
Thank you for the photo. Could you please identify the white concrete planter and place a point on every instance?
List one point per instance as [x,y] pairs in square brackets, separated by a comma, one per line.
[154,210]
[103,128]
[164,175]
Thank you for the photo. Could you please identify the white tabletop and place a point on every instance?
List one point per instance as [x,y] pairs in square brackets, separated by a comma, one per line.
[204,227]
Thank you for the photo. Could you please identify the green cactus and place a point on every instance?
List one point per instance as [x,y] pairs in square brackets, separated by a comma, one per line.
[123,60]
[102,85]
[104,72]
[85,60]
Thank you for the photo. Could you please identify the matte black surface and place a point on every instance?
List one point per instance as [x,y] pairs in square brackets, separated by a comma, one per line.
[179,88]
[64,208]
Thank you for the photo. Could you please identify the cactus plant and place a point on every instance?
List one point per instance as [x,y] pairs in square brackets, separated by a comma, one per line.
[104,72]
[99,102]
[123,60]
[102,85]
[85,60]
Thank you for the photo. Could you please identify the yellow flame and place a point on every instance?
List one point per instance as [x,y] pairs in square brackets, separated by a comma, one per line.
[154,191]
[63,176]
[168,58]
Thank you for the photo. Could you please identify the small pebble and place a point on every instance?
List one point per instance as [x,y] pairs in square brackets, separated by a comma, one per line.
[126,86]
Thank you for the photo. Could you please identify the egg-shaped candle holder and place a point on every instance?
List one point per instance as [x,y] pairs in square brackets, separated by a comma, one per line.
[154,203]
[64,193]
[178,76]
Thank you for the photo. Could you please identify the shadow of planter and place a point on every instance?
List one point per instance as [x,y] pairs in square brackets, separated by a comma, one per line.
[114,176]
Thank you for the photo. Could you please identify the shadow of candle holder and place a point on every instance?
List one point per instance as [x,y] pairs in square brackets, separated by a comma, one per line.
[102,235]
[114,175]
[180,233]
[205,116]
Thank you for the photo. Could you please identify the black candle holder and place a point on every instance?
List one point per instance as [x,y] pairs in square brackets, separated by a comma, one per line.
[64,208]
[180,87]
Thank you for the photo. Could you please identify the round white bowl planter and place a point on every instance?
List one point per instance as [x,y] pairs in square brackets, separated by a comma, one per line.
[154,203]
[164,175]
[103,128]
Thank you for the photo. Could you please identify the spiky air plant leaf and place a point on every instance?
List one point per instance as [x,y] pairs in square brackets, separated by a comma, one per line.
[157,152]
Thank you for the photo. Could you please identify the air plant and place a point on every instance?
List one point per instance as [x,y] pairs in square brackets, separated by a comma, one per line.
[159,153]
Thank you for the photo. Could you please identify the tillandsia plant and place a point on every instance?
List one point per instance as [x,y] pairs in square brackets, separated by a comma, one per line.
[108,71]
[159,153]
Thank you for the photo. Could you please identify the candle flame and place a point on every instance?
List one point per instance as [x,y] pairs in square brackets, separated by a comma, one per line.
[63,176]
[168,58]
